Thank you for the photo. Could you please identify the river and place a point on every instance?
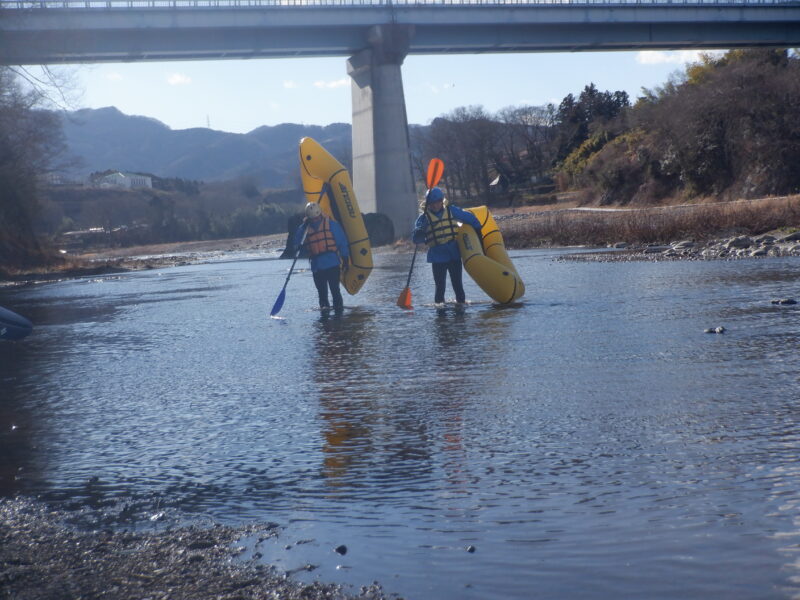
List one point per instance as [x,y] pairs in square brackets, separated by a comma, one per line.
[589,442]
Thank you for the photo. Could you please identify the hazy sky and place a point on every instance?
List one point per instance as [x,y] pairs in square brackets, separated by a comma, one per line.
[240,95]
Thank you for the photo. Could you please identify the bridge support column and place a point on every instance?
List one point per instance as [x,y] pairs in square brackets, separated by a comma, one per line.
[382,176]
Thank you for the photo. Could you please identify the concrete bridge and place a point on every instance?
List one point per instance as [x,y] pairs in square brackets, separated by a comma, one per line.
[376,36]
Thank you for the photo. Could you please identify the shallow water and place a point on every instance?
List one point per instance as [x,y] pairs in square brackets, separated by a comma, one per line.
[589,442]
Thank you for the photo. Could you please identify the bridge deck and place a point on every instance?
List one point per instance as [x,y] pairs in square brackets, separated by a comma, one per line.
[48,31]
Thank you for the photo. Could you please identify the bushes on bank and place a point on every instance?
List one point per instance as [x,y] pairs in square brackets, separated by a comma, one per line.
[728,128]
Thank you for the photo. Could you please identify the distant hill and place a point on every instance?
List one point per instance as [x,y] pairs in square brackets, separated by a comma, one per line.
[104,138]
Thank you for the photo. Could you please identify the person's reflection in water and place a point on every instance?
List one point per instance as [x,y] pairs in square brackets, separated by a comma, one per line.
[451,328]
[346,408]
[374,433]
[373,439]
[464,337]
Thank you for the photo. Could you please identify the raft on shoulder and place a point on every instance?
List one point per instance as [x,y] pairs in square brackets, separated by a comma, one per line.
[327,182]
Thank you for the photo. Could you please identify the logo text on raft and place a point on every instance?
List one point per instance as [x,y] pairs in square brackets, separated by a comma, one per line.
[467,241]
[347,202]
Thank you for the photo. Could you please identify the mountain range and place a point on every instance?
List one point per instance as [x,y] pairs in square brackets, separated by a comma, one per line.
[101,139]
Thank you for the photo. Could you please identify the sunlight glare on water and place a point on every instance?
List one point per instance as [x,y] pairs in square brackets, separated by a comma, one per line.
[589,442]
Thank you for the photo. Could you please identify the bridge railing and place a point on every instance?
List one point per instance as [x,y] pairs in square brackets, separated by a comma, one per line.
[188,4]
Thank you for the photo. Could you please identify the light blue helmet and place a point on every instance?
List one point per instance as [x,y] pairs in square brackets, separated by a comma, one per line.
[435,194]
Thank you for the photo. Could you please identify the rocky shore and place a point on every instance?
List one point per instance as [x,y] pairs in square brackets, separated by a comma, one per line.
[108,261]
[42,557]
[729,248]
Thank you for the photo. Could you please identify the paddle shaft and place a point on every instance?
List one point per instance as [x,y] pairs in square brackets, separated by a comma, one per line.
[413,258]
[296,256]
[435,170]
[282,296]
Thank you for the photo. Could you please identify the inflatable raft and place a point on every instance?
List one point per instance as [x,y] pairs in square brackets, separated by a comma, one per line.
[327,182]
[13,326]
[488,263]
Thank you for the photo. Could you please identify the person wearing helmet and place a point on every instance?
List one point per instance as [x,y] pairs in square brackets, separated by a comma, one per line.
[436,227]
[328,249]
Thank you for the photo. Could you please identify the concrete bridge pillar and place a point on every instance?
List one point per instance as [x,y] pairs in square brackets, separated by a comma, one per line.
[382,175]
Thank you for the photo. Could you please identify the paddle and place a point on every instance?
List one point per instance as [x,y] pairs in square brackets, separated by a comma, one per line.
[404,300]
[282,296]
[435,170]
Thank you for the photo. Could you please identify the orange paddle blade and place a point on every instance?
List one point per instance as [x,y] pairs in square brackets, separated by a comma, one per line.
[435,170]
[404,301]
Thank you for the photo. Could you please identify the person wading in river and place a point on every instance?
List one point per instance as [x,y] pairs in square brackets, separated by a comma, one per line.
[436,227]
[327,249]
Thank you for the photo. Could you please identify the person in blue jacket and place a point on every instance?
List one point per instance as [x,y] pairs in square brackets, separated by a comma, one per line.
[328,250]
[436,227]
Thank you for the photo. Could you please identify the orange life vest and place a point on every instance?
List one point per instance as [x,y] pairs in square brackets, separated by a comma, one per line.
[321,240]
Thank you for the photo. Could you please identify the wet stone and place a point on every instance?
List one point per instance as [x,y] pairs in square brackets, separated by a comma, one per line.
[784,301]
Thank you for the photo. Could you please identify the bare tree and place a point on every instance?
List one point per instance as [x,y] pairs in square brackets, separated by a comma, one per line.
[466,140]
[30,141]
[526,142]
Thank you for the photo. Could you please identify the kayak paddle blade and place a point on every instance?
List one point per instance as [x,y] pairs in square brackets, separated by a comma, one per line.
[435,171]
[404,301]
[278,303]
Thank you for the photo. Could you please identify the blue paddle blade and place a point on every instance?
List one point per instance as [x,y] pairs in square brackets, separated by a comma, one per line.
[278,303]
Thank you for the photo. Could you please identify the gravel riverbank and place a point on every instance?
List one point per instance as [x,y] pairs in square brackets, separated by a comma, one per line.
[42,557]
[729,248]
[106,261]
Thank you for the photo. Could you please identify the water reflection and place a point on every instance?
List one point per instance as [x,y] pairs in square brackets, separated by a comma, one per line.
[347,411]
[449,325]
[391,401]
[452,335]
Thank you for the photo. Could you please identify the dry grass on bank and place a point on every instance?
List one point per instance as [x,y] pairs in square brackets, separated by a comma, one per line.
[656,225]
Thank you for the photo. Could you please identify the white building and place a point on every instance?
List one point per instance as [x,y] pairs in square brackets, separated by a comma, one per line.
[125,180]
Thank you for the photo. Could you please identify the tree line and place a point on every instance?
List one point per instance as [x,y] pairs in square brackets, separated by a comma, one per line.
[31,142]
[519,147]
[726,127]
[173,210]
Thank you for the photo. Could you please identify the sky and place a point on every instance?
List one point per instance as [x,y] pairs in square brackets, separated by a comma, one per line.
[240,95]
